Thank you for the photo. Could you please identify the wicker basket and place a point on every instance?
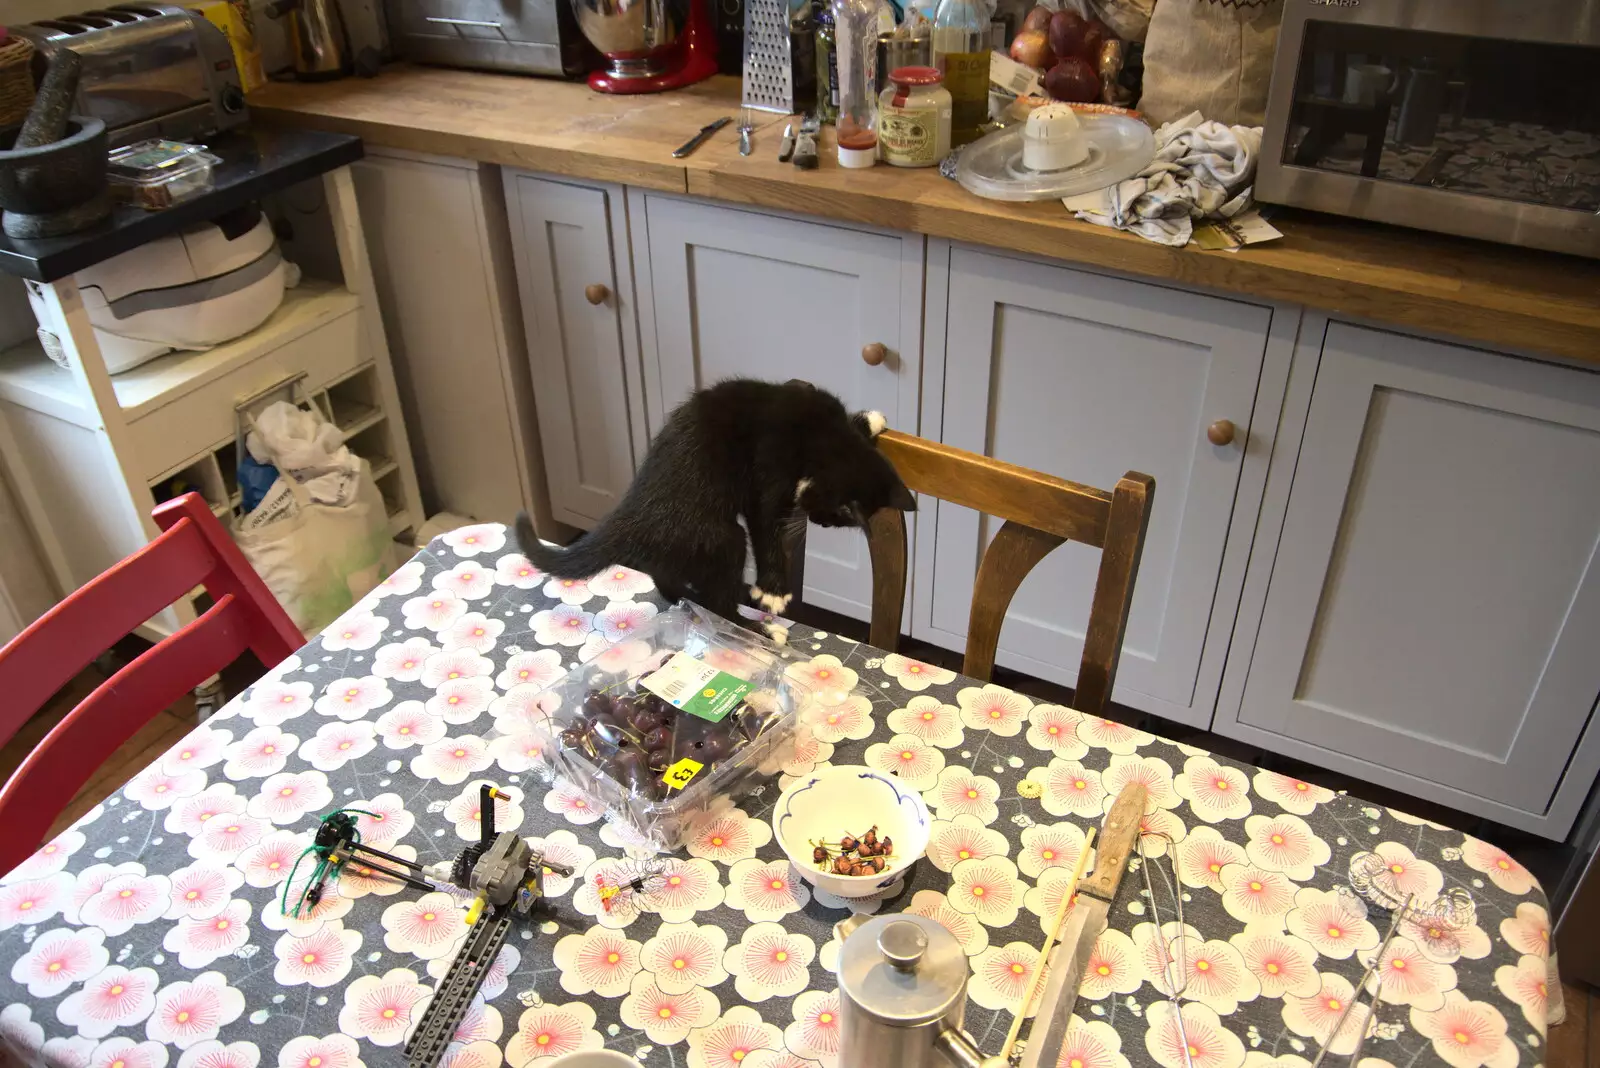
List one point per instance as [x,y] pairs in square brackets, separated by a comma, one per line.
[16,80]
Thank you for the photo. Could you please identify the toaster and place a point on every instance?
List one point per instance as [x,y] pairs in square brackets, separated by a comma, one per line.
[149,70]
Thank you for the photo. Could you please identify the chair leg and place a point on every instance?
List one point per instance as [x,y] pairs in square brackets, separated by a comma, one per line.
[209,697]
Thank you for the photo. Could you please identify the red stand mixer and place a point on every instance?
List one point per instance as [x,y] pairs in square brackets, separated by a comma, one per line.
[650,45]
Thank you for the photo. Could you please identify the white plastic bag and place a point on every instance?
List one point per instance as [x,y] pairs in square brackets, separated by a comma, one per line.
[320,537]
[319,559]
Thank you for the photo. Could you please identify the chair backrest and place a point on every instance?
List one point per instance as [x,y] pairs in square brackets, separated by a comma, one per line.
[192,550]
[1040,512]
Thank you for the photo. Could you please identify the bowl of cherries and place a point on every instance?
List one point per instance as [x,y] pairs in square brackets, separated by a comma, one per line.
[852,831]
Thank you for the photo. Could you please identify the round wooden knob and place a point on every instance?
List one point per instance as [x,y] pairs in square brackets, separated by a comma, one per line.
[874,354]
[596,292]
[1220,432]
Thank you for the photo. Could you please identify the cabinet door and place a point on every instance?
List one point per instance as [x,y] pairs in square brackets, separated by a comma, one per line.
[562,236]
[1434,605]
[739,293]
[1087,377]
[448,338]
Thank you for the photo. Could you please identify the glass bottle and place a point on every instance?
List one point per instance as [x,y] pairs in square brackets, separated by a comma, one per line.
[961,52]
[827,67]
[855,28]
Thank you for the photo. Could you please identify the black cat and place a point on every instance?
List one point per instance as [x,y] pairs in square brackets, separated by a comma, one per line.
[775,455]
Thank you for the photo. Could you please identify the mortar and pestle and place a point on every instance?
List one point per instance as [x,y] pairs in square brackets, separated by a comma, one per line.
[53,167]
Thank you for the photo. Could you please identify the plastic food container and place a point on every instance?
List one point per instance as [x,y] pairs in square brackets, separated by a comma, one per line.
[156,174]
[666,726]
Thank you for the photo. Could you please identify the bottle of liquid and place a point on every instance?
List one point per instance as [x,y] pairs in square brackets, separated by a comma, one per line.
[827,67]
[961,52]
[855,29]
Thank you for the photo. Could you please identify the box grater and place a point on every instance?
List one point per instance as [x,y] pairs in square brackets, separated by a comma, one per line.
[768,60]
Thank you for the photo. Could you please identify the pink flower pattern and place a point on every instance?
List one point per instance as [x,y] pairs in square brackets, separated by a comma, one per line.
[914,675]
[189,1012]
[60,958]
[926,718]
[378,1008]
[475,539]
[402,661]
[33,900]
[199,941]
[769,962]
[567,625]
[552,1031]
[619,583]
[322,958]
[622,619]
[518,572]
[536,669]
[115,997]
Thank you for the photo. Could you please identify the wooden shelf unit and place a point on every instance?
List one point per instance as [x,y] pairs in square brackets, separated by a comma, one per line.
[91,454]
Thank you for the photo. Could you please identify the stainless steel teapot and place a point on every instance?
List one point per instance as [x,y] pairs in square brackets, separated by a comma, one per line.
[903,995]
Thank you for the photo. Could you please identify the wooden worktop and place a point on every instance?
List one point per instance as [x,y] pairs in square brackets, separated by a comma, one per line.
[1493,295]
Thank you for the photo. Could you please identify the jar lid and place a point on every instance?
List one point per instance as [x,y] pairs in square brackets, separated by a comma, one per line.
[916,76]
[902,969]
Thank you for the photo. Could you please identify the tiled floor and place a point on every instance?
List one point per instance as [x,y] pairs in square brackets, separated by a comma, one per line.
[1574,1044]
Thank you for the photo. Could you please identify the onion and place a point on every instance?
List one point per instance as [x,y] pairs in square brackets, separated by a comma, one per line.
[1038,19]
[1032,49]
[1073,80]
[1066,33]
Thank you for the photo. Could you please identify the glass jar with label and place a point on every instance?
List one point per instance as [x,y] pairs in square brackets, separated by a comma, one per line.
[914,118]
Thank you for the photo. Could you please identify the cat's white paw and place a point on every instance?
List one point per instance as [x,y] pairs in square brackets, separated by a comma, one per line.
[772,602]
[778,634]
[756,594]
[876,423]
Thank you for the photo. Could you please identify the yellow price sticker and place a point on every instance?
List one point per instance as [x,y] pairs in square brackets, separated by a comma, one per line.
[682,773]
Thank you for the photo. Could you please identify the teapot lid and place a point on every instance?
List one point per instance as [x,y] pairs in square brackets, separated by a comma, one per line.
[904,969]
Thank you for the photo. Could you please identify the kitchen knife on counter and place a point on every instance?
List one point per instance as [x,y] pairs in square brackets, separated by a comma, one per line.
[1085,923]
[700,138]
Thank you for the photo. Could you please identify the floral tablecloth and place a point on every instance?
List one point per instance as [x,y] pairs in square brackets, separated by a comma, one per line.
[151,934]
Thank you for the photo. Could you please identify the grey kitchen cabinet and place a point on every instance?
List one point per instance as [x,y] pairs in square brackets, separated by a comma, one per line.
[1423,603]
[573,273]
[743,293]
[455,332]
[1087,376]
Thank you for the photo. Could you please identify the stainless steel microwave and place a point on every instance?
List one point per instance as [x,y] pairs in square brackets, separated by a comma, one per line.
[1471,117]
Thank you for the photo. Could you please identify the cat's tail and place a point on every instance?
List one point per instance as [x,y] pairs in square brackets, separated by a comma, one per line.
[584,557]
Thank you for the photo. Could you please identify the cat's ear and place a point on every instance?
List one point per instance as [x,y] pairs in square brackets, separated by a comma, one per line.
[902,498]
[870,424]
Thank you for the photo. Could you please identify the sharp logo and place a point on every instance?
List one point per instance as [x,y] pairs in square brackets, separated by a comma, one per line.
[1335,3]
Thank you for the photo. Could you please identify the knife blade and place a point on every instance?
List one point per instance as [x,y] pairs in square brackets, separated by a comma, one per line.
[700,138]
[1085,923]
[786,146]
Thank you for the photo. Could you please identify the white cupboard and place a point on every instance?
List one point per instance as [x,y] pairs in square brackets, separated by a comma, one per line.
[1086,376]
[570,241]
[1430,597]
[442,264]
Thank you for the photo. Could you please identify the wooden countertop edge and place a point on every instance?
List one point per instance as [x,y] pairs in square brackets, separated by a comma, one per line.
[596,164]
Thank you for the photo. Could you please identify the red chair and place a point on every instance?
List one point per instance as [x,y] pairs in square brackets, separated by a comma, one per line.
[192,550]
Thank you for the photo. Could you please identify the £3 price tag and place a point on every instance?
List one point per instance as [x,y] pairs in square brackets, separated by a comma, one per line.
[682,773]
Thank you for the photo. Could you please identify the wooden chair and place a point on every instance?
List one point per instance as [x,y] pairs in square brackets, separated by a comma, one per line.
[192,550]
[1040,512]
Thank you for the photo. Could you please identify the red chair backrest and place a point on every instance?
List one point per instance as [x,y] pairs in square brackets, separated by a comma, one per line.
[192,550]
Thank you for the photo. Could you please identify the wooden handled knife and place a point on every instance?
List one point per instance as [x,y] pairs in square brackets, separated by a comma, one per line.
[1085,922]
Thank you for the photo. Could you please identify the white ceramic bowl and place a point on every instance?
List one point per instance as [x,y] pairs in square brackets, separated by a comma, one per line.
[829,802]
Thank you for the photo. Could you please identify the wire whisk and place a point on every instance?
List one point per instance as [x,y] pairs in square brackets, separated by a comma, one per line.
[1399,914]
[1175,971]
